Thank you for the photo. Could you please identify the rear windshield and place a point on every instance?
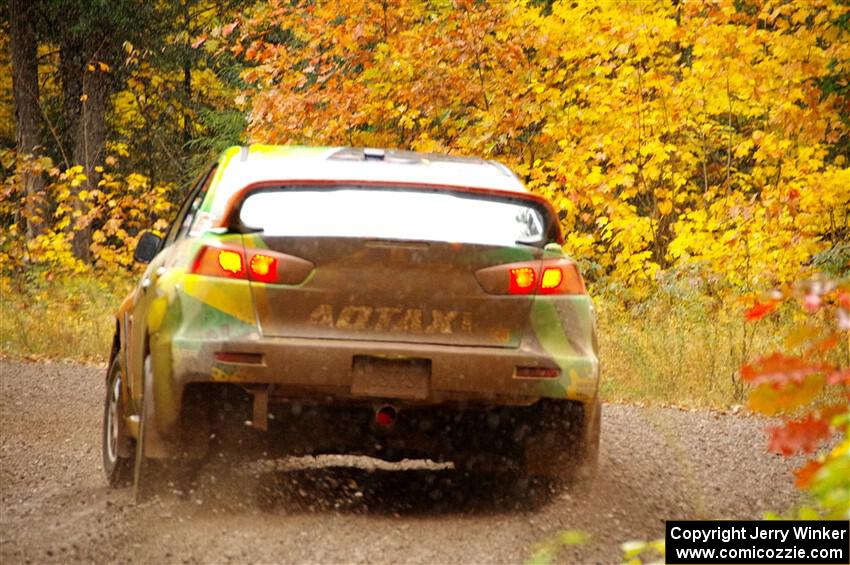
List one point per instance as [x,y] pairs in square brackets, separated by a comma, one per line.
[397,214]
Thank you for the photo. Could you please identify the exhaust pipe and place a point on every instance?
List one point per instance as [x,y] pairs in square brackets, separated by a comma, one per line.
[385,417]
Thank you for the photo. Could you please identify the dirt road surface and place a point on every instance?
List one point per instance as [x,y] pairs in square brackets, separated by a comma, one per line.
[656,464]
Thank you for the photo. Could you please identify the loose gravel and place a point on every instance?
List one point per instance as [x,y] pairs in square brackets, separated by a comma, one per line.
[656,464]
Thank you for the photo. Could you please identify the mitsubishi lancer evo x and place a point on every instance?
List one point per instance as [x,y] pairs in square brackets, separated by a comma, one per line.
[356,301]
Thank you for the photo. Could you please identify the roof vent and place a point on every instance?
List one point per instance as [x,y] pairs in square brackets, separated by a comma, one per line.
[370,154]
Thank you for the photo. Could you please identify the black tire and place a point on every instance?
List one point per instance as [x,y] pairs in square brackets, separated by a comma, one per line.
[118,469]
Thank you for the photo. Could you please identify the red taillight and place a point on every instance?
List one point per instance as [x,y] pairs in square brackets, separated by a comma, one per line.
[522,280]
[219,262]
[548,276]
[561,278]
[230,262]
[552,277]
[263,268]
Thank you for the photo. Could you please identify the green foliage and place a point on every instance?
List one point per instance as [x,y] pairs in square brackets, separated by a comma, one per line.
[833,262]
[223,129]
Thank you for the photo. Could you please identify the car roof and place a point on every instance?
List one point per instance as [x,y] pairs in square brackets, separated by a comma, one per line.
[239,167]
[292,162]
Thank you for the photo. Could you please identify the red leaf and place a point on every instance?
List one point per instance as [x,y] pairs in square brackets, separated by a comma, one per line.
[778,369]
[228,29]
[806,473]
[798,436]
[199,41]
[759,310]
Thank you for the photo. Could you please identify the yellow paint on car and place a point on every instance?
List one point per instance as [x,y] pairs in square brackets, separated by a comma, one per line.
[232,297]
[156,313]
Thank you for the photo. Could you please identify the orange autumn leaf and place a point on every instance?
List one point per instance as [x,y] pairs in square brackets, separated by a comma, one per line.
[798,436]
[804,475]
[759,310]
[779,369]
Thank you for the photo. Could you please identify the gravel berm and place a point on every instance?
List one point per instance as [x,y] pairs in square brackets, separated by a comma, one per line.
[656,464]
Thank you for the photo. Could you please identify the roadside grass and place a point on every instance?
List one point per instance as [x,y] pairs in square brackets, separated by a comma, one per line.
[680,348]
[675,347]
[63,318]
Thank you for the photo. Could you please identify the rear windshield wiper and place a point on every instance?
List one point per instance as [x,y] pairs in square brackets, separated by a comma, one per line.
[527,244]
[239,228]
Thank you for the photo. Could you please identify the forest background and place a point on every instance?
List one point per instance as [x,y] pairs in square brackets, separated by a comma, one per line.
[697,152]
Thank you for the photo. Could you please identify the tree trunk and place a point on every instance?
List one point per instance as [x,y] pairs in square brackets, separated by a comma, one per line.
[85,92]
[70,65]
[23,48]
[187,75]
[89,148]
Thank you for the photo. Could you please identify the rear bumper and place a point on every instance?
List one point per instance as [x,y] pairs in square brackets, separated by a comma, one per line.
[294,369]
[322,367]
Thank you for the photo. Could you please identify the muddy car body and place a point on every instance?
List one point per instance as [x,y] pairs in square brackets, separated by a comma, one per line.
[385,303]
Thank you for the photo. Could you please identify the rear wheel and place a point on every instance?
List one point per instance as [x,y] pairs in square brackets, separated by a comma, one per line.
[118,469]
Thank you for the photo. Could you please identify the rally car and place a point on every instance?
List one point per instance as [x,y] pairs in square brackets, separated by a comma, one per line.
[358,301]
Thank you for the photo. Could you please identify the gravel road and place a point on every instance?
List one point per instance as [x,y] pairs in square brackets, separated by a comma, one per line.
[656,464]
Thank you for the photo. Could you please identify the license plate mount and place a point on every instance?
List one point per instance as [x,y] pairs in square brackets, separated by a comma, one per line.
[383,377]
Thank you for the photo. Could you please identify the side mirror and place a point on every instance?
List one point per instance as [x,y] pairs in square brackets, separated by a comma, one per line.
[147,247]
